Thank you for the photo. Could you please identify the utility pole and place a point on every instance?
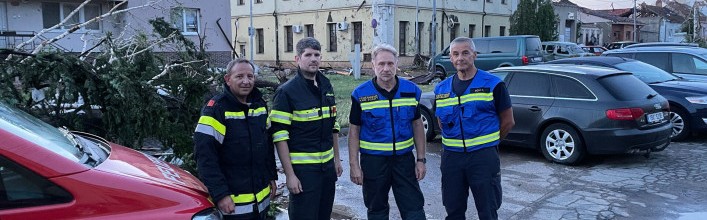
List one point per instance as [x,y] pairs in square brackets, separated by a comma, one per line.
[695,21]
[634,21]
[251,32]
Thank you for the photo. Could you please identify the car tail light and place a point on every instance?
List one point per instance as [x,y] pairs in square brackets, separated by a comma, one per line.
[624,113]
[525,60]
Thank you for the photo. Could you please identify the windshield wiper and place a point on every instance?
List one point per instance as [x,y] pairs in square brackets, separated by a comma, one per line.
[87,155]
[650,96]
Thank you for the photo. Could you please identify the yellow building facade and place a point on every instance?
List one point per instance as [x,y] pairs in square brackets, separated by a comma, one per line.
[339,25]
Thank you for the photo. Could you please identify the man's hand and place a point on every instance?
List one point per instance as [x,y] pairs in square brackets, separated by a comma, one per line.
[356,175]
[273,189]
[339,169]
[420,170]
[226,205]
[293,184]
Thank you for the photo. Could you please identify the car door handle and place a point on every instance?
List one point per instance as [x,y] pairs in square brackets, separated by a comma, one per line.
[534,109]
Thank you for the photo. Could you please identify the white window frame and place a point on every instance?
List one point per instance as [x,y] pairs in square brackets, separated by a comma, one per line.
[183,27]
[82,17]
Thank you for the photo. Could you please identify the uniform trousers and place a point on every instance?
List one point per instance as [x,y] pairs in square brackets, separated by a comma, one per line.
[380,173]
[478,171]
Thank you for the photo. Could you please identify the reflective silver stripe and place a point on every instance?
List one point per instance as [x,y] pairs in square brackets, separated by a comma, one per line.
[235,117]
[208,130]
[306,115]
[256,114]
[248,208]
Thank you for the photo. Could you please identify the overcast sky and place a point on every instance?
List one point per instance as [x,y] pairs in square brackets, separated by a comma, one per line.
[606,4]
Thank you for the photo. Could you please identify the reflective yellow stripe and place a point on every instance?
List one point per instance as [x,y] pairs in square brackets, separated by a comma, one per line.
[471,142]
[246,198]
[386,146]
[234,115]
[464,99]
[207,120]
[281,136]
[312,158]
[257,112]
[385,103]
[281,117]
[314,114]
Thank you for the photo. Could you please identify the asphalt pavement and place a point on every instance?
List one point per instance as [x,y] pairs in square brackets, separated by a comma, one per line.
[667,185]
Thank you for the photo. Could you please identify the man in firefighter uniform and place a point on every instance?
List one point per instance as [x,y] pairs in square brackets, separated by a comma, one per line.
[306,135]
[385,126]
[234,156]
[474,111]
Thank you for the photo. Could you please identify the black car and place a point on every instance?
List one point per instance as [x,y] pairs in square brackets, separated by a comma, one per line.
[569,111]
[686,61]
[688,99]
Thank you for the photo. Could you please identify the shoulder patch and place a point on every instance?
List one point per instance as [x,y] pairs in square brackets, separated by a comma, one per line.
[481,90]
[211,103]
[369,98]
[442,96]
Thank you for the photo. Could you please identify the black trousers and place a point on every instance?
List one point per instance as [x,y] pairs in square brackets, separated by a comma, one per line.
[316,200]
[380,173]
[479,171]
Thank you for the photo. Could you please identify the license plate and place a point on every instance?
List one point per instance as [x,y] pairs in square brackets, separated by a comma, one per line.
[655,117]
[537,59]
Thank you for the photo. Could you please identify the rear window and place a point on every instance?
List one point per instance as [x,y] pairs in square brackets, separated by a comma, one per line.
[626,87]
[532,45]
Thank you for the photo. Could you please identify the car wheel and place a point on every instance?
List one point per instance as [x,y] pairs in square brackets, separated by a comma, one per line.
[427,125]
[681,125]
[439,72]
[561,143]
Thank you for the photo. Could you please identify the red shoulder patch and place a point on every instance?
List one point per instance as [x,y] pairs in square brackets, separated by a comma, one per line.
[211,103]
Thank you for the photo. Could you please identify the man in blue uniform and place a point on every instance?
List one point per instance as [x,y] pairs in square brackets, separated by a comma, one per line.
[235,158]
[385,126]
[306,135]
[474,112]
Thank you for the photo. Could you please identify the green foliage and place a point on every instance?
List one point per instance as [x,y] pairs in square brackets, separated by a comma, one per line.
[121,84]
[535,17]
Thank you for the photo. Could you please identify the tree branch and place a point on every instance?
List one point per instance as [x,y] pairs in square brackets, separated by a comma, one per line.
[19,46]
[167,67]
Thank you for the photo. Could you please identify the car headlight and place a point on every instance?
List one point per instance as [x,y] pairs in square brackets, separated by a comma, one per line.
[208,214]
[697,99]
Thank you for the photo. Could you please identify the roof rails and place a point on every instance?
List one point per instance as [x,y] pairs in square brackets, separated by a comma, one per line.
[662,44]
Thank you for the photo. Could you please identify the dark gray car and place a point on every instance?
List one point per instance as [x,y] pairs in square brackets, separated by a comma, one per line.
[569,111]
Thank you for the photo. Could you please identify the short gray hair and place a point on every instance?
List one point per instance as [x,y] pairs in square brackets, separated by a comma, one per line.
[237,61]
[308,42]
[461,40]
[384,47]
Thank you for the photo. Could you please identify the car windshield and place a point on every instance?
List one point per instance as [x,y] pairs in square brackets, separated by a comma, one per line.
[646,72]
[31,129]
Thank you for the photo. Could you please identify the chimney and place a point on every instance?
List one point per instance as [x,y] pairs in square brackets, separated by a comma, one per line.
[659,3]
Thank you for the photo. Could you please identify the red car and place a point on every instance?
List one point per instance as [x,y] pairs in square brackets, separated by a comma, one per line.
[52,173]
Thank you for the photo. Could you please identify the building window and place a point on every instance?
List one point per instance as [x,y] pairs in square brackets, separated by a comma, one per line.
[453,32]
[258,1]
[241,2]
[357,34]
[186,20]
[332,37]
[502,31]
[402,37]
[420,27]
[487,30]
[503,2]
[288,39]
[55,12]
[628,35]
[489,1]
[310,30]
[472,29]
[261,40]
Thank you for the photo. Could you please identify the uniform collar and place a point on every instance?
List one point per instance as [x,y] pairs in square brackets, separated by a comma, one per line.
[254,95]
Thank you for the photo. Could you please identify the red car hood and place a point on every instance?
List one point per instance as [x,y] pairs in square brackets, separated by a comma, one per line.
[125,161]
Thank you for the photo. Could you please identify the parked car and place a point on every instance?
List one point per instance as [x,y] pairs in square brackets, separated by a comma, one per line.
[429,123]
[619,44]
[493,52]
[555,50]
[596,50]
[49,172]
[688,99]
[570,111]
[684,61]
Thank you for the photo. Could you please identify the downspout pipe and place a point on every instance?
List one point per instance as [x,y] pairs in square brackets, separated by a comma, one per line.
[277,39]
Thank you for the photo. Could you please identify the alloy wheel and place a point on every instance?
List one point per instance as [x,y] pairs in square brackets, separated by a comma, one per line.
[678,124]
[560,144]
